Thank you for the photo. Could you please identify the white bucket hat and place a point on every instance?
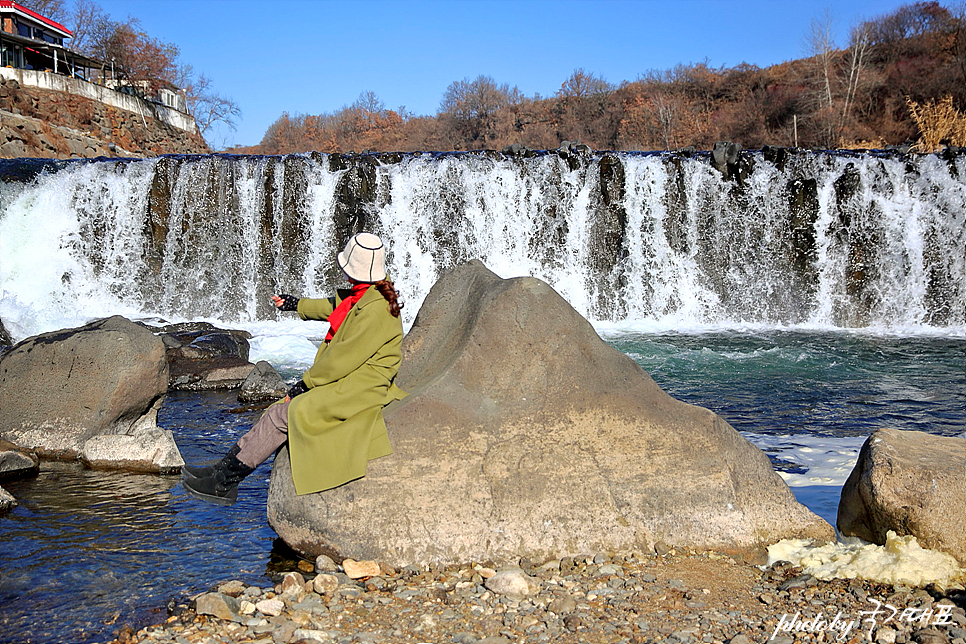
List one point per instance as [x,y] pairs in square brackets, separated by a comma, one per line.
[364,258]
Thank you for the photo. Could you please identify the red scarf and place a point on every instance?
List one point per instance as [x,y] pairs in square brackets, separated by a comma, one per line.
[337,317]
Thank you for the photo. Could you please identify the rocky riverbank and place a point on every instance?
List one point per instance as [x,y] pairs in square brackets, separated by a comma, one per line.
[677,598]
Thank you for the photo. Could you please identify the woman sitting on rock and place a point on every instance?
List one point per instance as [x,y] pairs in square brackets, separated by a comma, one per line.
[332,418]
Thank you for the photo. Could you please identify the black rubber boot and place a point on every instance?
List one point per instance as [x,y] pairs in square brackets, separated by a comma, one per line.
[201,471]
[221,486]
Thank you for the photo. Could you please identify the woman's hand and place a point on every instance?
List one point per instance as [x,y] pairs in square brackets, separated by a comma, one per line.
[285,302]
[297,389]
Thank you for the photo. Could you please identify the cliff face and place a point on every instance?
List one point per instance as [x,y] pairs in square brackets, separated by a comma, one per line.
[49,124]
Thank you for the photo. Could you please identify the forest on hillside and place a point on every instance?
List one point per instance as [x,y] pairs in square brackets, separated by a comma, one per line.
[900,81]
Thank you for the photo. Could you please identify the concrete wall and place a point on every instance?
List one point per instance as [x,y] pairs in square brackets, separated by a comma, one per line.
[56,82]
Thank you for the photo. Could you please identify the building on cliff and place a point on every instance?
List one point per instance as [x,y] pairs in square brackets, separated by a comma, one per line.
[32,52]
[31,41]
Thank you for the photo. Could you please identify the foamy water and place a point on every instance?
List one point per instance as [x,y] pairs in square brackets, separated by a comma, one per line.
[901,561]
[676,248]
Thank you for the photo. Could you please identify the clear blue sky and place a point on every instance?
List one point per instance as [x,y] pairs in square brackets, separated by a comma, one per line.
[317,56]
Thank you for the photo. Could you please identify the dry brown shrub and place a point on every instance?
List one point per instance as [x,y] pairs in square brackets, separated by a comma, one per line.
[863,144]
[939,123]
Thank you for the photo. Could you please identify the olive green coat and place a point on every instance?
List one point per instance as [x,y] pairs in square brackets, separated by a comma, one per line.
[336,427]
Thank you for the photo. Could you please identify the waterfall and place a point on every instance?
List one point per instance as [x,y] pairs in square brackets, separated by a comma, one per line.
[819,239]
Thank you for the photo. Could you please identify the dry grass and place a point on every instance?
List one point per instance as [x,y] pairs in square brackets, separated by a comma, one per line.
[939,124]
[862,144]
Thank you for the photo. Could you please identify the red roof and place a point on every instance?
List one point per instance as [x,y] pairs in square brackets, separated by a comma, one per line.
[16,8]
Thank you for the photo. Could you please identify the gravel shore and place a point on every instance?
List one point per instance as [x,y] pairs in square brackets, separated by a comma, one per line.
[677,598]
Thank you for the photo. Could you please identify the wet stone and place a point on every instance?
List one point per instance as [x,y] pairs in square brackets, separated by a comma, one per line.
[271,607]
[324,563]
[218,605]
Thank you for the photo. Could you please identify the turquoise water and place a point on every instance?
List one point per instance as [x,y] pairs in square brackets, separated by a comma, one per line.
[100,550]
[834,384]
[810,399]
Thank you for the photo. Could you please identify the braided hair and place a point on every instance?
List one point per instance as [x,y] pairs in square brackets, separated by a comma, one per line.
[392,296]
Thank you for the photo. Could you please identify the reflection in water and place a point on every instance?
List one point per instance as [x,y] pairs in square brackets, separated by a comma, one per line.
[103,549]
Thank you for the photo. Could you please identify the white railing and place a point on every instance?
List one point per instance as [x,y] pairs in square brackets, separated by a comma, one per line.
[56,82]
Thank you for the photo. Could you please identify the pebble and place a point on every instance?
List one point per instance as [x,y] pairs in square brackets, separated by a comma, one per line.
[324,563]
[359,569]
[292,583]
[270,607]
[512,582]
[676,598]
[563,605]
[325,584]
[217,605]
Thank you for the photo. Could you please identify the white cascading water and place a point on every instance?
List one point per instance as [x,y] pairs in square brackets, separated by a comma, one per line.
[678,246]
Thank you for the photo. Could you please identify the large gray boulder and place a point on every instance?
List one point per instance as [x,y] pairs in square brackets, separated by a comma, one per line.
[75,393]
[912,483]
[526,435]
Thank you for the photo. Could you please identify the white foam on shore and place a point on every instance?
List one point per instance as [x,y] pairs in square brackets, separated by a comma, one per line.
[900,561]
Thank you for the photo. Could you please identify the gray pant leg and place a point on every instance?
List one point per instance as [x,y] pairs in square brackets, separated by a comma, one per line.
[265,436]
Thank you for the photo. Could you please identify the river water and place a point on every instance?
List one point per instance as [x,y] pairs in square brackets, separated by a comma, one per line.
[822,297]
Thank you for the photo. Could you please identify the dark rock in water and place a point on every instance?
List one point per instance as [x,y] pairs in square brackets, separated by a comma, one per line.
[91,392]
[846,187]
[902,148]
[775,155]
[910,483]
[227,372]
[575,153]
[803,207]
[949,154]
[726,157]
[517,150]
[16,463]
[203,357]
[607,231]
[263,384]
[199,340]
[354,195]
[523,434]
[4,335]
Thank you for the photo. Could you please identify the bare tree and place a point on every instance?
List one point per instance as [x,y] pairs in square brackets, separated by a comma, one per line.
[470,105]
[821,44]
[87,20]
[53,9]
[201,101]
[581,84]
[856,60]
[370,106]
